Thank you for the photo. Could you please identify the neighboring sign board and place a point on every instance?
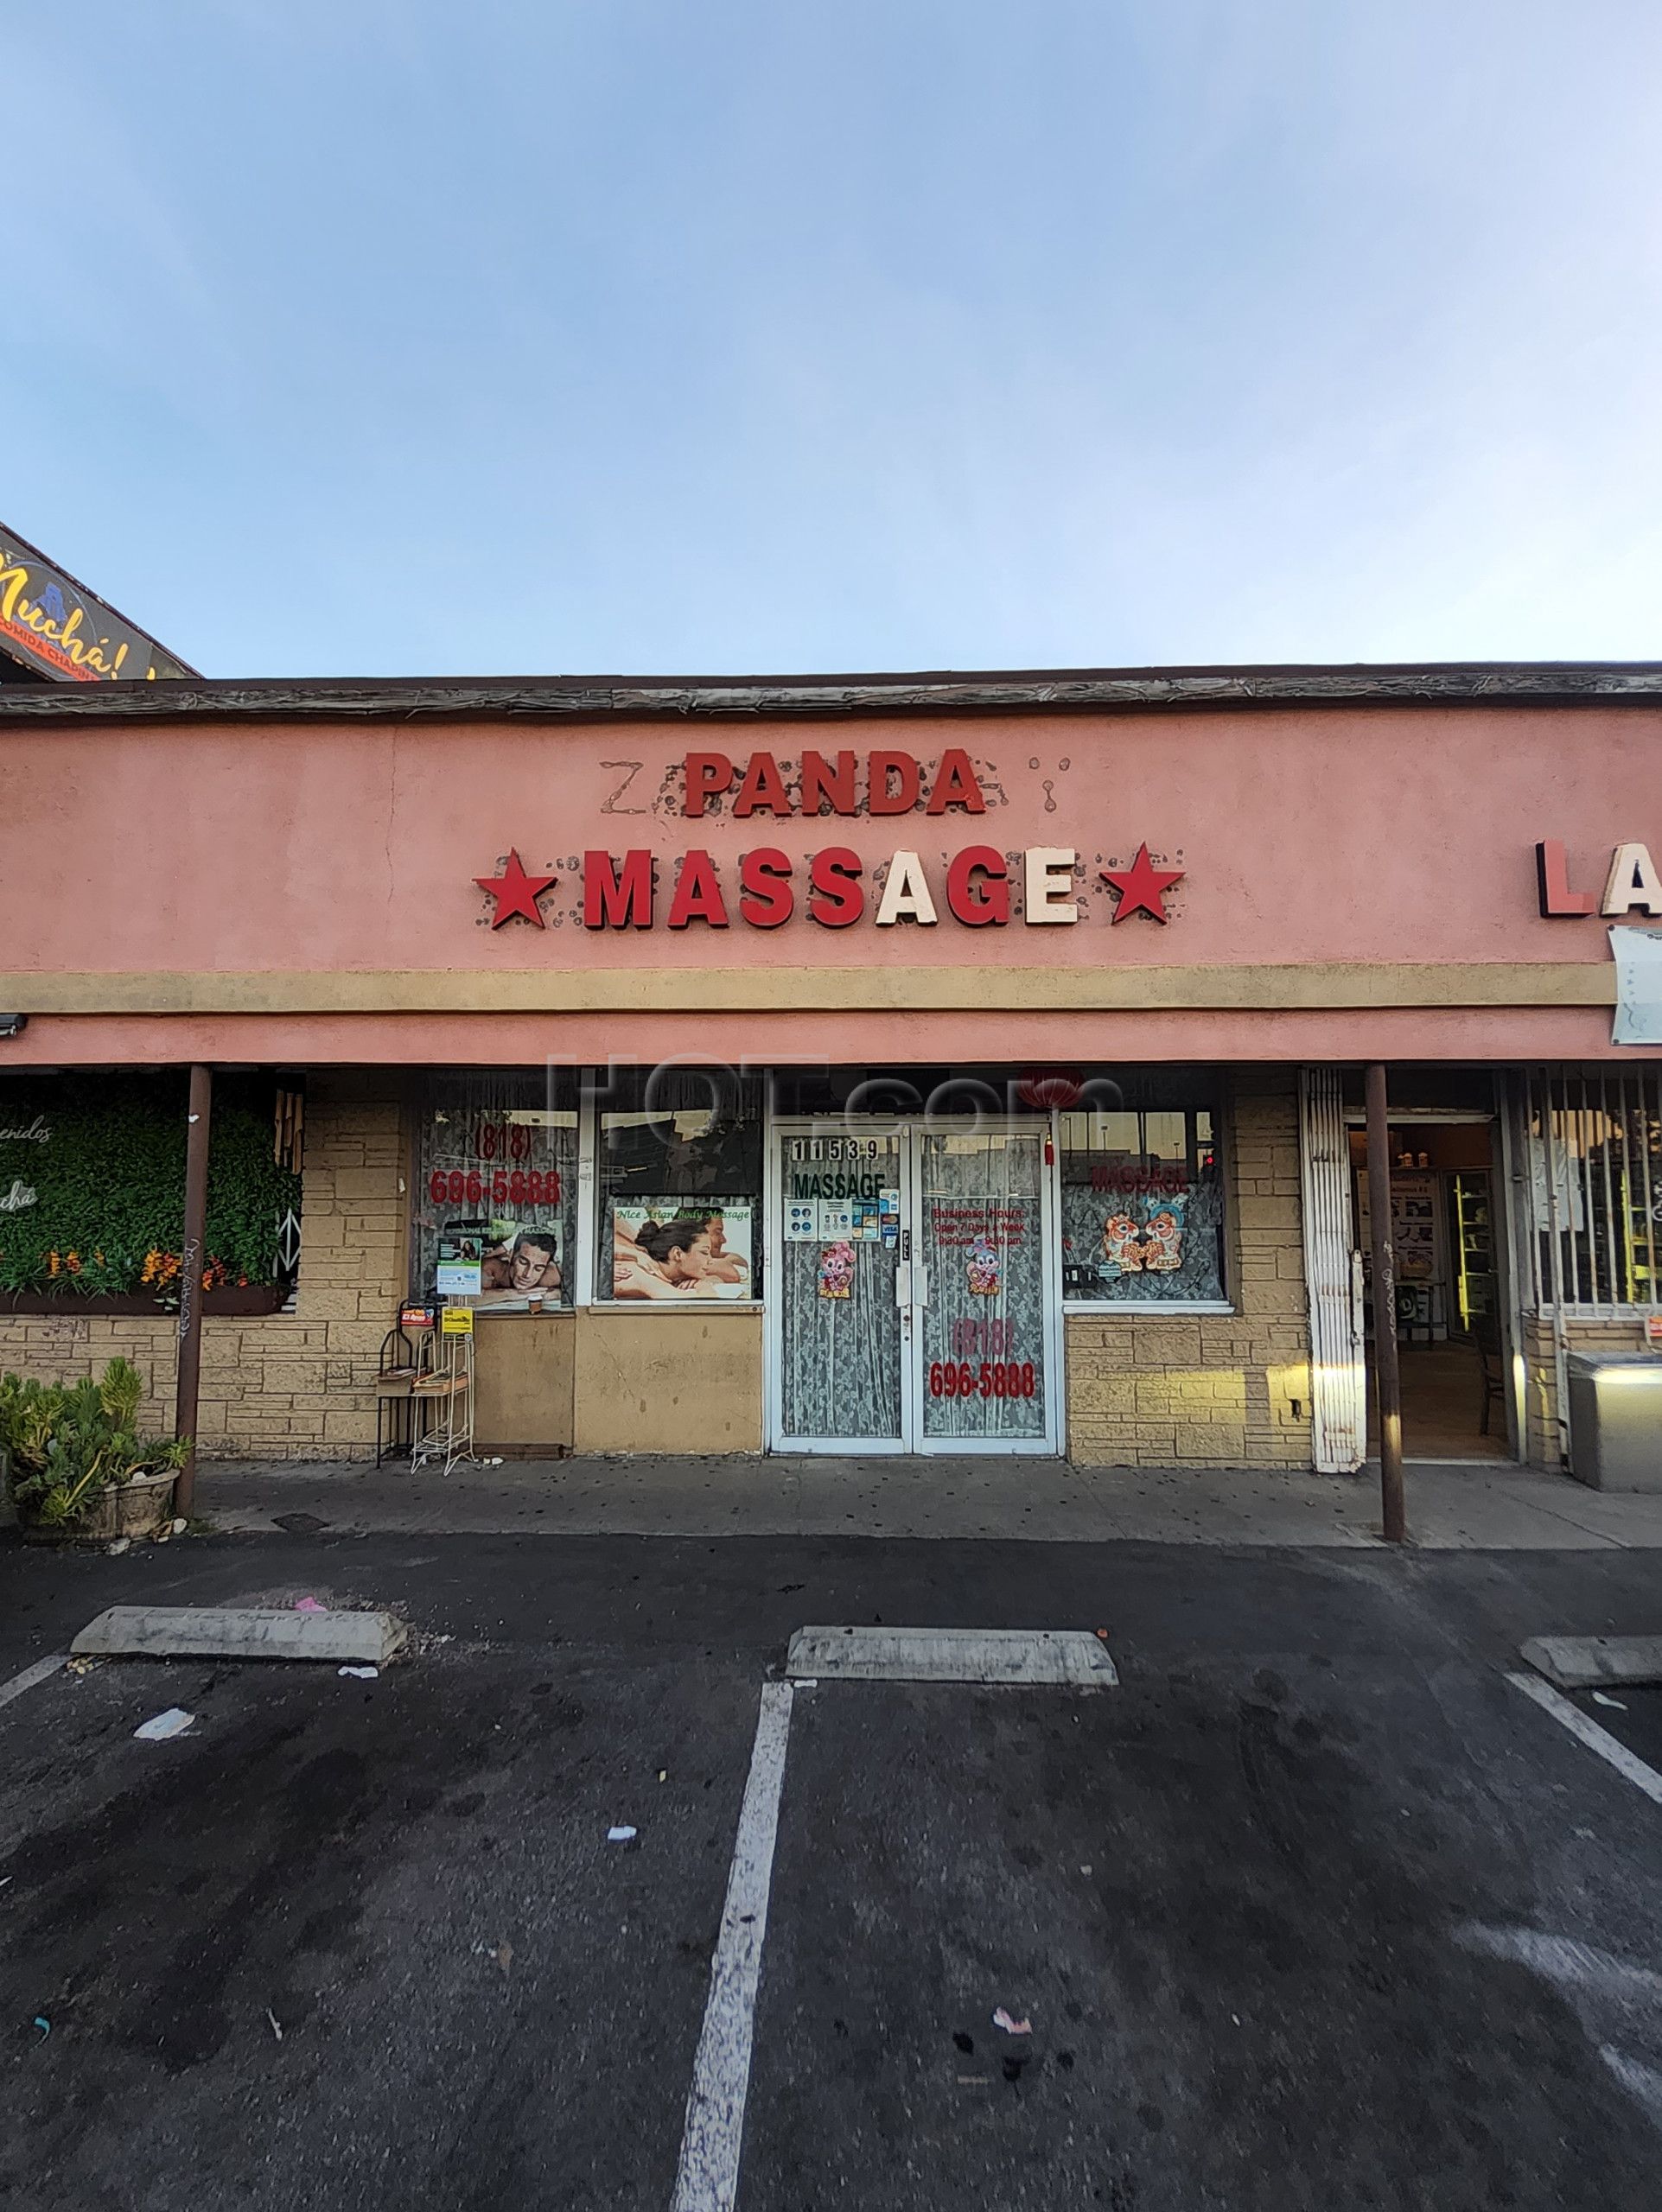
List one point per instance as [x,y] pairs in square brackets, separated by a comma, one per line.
[55,626]
[1638,986]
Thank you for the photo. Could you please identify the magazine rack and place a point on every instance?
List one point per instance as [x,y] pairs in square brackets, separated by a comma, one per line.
[444,1405]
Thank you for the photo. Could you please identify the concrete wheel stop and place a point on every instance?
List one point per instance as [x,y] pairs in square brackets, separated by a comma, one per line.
[241,1632]
[1585,1662]
[988,1656]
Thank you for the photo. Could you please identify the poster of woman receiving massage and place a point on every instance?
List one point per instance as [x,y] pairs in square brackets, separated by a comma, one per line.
[680,1248]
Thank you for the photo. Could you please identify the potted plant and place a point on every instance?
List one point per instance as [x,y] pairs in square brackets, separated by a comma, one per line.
[74,1463]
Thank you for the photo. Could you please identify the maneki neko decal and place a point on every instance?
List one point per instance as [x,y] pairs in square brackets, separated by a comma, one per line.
[1141,1234]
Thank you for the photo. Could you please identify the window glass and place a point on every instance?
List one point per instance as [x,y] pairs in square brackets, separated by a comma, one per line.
[1142,1214]
[679,1186]
[496,1188]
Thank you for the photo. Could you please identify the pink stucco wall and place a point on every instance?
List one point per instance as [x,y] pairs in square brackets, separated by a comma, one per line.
[1306,835]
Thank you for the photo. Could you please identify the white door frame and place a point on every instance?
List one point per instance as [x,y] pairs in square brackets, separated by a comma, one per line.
[912,1439]
[779,1132]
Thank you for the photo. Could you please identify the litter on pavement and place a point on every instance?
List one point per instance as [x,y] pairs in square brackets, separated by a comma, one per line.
[309,1605]
[43,2025]
[1599,1698]
[277,2024]
[359,1674]
[162,1726]
[620,1835]
[1001,2019]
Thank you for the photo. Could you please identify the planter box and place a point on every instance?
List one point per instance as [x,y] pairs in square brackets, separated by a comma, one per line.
[256,1299]
[137,1508]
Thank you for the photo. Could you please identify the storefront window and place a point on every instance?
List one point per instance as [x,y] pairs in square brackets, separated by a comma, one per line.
[679,1186]
[1142,1197]
[1596,1186]
[91,1189]
[495,1215]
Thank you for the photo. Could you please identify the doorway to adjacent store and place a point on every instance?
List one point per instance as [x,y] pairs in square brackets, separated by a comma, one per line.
[1445,1201]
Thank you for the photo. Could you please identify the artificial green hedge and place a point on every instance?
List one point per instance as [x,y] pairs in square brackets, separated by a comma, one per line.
[110,1181]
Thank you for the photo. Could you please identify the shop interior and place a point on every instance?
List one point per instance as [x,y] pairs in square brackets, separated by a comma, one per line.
[1444,1203]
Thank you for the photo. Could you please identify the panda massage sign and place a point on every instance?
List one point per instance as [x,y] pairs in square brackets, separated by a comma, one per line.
[975,887]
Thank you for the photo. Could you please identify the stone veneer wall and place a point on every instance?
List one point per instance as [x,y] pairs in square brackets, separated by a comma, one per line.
[1142,1389]
[1541,1374]
[282,1386]
[1214,1390]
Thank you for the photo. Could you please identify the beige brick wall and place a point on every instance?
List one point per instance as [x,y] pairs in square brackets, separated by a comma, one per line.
[1214,1390]
[286,1386]
[1142,1389]
[1541,1374]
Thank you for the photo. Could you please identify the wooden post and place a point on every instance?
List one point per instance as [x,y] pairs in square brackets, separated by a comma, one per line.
[1387,1373]
[200,1115]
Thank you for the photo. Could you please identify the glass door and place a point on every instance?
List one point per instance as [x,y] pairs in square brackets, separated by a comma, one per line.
[913,1299]
[984,1291]
[837,1325]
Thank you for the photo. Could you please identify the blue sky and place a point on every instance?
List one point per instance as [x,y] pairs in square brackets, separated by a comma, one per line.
[383,337]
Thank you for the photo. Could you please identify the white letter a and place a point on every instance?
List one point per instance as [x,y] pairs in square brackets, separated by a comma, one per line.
[1632,882]
[906,893]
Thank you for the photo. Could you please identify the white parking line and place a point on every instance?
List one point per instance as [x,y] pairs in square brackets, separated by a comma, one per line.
[1597,1739]
[712,2137]
[40,1672]
[708,2178]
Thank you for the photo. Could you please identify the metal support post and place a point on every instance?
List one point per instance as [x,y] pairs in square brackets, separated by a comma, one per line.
[190,1280]
[1387,1372]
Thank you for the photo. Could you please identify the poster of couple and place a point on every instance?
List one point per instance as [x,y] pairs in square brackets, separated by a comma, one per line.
[676,1249]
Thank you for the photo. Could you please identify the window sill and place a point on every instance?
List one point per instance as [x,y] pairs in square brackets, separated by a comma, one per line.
[672,1306]
[518,1309]
[1105,1308]
[1627,1316]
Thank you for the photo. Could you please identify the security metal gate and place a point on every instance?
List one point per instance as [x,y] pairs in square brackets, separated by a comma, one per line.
[1333,1274]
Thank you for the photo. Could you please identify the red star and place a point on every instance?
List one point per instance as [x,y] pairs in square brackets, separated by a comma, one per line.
[515,893]
[1142,886]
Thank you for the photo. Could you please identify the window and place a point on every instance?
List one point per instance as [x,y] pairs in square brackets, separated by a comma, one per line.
[495,1200]
[1596,1186]
[679,1186]
[1142,1210]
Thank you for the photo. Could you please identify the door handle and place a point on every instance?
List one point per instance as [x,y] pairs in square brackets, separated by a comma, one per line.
[920,1280]
[903,1283]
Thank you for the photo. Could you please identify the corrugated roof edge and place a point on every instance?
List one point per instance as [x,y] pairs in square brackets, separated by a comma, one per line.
[571,698]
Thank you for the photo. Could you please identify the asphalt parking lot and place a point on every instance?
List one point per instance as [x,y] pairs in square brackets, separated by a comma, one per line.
[1632,1716]
[1314,1909]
